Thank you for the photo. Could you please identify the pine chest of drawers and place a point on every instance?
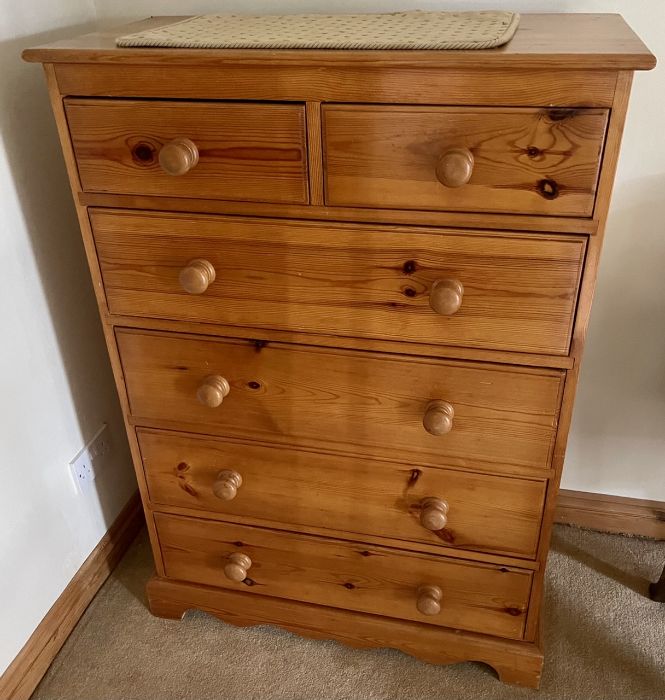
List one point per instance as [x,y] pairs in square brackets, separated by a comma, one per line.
[345,297]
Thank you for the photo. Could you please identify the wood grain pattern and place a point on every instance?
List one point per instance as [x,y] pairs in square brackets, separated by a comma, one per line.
[314,152]
[316,396]
[57,104]
[361,406]
[561,41]
[485,513]
[534,161]
[515,662]
[610,159]
[246,152]
[24,673]
[375,83]
[341,534]
[390,346]
[444,219]
[520,291]
[618,514]
[377,580]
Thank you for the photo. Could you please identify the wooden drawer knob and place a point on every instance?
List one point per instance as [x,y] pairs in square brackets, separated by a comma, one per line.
[197,276]
[445,296]
[433,513]
[178,157]
[429,599]
[213,391]
[438,418]
[236,567]
[455,167]
[227,484]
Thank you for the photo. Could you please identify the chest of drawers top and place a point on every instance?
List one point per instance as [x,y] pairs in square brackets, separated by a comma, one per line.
[399,136]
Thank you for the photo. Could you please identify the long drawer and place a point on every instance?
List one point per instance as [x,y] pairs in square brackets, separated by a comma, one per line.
[363,497]
[436,590]
[222,150]
[506,292]
[431,412]
[500,159]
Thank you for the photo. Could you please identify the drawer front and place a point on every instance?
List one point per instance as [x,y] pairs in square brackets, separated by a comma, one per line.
[363,497]
[516,292]
[519,160]
[475,597]
[221,150]
[366,403]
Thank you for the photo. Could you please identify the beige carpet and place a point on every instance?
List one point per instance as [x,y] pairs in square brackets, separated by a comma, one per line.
[604,639]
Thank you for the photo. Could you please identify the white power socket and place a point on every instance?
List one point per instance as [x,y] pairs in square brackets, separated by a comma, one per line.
[91,458]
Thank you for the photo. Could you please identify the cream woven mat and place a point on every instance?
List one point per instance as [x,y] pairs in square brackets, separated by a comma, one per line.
[399,30]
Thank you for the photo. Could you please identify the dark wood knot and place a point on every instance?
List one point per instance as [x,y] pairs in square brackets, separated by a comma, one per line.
[143,153]
[558,115]
[414,475]
[548,189]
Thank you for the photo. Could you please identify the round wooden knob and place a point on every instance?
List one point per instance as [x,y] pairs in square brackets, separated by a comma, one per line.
[445,296]
[429,599]
[227,484]
[455,167]
[197,276]
[438,418]
[213,390]
[433,514]
[236,567]
[178,157]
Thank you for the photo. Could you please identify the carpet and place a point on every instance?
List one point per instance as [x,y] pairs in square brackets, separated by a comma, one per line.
[604,640]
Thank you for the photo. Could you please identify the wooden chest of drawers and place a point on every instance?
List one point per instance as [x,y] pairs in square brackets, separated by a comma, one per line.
[345,297]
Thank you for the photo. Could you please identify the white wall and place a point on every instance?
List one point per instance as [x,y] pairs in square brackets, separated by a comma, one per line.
[617,444]
[55,384]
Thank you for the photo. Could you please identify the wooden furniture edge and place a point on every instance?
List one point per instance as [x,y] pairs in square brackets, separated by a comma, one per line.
[388,347]
[57,105]
[614,514]
[477,221]
[28,668]
[610,157]
[519,663]
[529,47]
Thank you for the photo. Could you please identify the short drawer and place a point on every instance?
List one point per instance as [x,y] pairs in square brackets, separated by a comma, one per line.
[220,150]
[513,292]
[518,160]
[455,509]
[371,404]
[482,598]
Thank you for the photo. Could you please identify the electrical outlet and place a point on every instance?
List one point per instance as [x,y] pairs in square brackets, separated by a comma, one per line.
[91,458]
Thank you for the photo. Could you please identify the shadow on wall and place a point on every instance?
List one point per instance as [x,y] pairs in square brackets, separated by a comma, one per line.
[618,434]
[28,131]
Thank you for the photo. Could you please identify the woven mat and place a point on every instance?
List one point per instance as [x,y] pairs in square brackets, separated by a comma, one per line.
[399,30]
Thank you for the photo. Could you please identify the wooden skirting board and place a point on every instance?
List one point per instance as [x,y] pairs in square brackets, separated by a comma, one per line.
[28,668]
[626,516]
[588,510]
